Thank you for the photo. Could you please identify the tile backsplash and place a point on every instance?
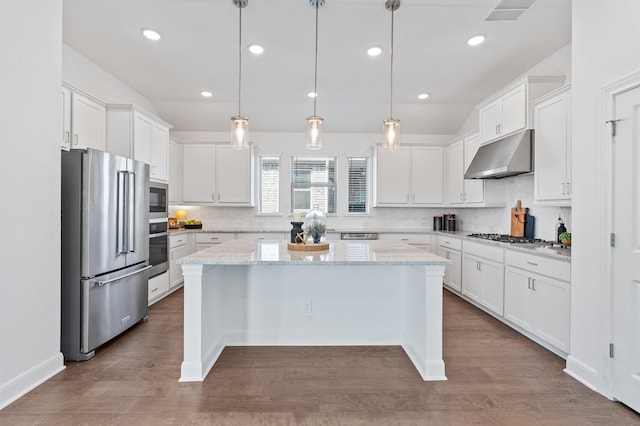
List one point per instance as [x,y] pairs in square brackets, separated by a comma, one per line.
[489,220]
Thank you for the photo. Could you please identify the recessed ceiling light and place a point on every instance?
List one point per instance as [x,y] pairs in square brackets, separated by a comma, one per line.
[423,96]
[256,49]
[374,51]
[476,40]
[151,34]
[206,94]
[312,94]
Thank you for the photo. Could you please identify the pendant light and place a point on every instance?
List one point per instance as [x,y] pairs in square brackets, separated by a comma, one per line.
[391,126]
[314,122]
[239,124]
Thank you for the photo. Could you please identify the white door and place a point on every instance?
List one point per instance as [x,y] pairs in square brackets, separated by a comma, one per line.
[626,253]
[427,174]
[455,183]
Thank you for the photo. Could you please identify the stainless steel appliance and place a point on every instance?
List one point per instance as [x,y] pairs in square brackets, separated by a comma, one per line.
[158,200]
[105,251]
[512,155]
[359,236]
[506,238]
[158,247]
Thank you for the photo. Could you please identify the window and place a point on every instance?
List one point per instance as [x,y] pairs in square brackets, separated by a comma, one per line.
[269,185]
[313,182]
[358,185]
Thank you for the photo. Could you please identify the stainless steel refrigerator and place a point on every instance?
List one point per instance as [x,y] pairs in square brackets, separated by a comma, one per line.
[105,248]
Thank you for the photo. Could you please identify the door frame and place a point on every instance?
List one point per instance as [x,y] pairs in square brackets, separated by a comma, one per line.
[606,386]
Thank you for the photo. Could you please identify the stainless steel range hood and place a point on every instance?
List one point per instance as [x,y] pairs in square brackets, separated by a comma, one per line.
[510,156]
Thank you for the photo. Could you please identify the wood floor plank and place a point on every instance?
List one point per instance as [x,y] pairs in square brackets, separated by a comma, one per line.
[496,377]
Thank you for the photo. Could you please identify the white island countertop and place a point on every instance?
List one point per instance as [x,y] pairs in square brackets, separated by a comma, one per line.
[260,293]
[260,252]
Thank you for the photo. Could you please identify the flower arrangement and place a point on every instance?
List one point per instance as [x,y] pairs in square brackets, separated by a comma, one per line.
[316,230]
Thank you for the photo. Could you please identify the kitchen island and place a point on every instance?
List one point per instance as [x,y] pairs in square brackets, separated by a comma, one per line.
[260,293]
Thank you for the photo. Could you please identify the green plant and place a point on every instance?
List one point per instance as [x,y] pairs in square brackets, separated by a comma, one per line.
[316,229]
[565,236]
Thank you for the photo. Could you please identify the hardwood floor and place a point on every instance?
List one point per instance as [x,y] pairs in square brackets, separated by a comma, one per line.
[496,377]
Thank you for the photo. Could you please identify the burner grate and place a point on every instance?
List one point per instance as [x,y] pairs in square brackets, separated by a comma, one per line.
[505,238]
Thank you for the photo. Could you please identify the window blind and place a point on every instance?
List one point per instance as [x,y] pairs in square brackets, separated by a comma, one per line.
[357,185]
[269,184]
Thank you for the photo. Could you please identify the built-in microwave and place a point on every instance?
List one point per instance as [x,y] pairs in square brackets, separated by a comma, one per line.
[158,200]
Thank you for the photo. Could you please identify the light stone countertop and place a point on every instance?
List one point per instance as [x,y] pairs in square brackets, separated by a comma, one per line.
[546,250]
[248,252]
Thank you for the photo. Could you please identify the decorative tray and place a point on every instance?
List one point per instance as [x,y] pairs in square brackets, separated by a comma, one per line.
[192,226]
[308,246]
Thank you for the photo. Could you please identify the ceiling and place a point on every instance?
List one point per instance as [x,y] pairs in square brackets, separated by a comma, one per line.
[199,51]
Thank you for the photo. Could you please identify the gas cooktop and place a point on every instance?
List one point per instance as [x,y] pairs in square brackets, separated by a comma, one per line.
[504,238]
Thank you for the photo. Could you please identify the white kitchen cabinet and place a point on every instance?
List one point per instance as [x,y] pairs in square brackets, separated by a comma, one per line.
[178,248]
[450,248]
[483,275]
[463,192]
[158,287]
[207,239]
[277,236]
[138,134]
[413,176]
[83,120]
[421,241]
[175,175]
[537,303]
[508,111]
[552,123]
[217,174]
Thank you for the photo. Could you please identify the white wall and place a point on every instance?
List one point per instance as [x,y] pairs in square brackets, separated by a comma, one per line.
[606,48]
[342,145]
[85,75]
[30,188]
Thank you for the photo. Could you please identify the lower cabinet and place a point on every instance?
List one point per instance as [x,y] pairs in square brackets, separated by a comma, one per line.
[483,275]
[207,239]
[450,248]
[536,303]
[178,248]
[158,287]
[421,241]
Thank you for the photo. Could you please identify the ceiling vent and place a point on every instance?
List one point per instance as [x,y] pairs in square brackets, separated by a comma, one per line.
[509,10]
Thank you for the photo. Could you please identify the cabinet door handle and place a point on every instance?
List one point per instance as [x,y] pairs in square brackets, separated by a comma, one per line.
[533,284]
[75,139]
[66,137]
[529,283]
[568,186]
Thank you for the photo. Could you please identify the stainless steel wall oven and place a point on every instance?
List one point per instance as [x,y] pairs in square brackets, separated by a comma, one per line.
[158,247]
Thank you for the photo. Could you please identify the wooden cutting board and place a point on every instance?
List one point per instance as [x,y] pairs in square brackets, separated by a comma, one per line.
[518,217]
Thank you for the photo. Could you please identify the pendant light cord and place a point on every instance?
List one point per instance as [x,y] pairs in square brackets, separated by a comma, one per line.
[315,79]
[239,58]
[391,85]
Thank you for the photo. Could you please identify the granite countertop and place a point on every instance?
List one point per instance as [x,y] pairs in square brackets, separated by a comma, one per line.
[248,252]
[542,249]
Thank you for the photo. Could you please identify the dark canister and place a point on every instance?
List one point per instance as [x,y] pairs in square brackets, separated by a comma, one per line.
[297,234]
[451,223]
[445,221]
[437,223]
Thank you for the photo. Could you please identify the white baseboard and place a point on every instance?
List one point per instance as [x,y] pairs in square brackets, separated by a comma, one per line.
[20,385]
[582,372]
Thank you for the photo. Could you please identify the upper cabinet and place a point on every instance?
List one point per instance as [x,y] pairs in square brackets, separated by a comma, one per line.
[409,177]
[83,120]
[463,192]
[552,123]
[136,133]
[175,175]
[217,174]
[508,111]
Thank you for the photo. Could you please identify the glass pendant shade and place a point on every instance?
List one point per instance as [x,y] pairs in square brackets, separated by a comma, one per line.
[314,132]
[391,132]
[239,132]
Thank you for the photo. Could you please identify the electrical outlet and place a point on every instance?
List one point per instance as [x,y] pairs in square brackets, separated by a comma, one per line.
[307,307]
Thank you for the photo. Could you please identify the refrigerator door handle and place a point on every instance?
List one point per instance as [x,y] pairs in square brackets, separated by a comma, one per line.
[131,212]
[103,283]
[122,215]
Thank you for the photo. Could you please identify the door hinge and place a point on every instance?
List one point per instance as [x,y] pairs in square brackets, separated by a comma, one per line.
[610,350]
[613,126]
[612,239]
